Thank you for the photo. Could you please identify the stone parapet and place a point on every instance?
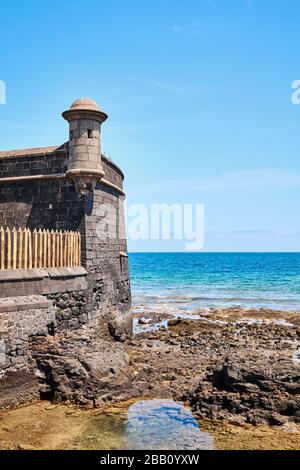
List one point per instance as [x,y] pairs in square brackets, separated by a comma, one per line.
[17,304]
[24,282]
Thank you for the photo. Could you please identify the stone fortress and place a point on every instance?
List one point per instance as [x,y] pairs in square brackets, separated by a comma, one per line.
[62,326]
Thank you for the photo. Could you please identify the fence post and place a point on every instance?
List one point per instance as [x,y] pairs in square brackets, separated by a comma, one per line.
[52,248]
[44,243]
[15,244]
[35,248]
[68,249]
[29,249]
[79,249]
[60,248]
[20,257]
[76,249]
[40,256]
[21,248]
[57,248]
[25,248]
[2,250]
[64,249]
[8,239]
[48,249]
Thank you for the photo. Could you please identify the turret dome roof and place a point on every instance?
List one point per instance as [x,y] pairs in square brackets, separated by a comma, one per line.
[85,103]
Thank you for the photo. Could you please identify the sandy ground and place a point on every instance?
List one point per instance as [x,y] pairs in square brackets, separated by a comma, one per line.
[47,426]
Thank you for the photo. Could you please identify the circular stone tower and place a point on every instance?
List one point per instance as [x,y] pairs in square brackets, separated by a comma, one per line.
[84,165]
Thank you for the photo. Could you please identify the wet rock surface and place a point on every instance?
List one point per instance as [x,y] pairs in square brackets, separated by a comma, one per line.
[226,367]
[84,369]
[241,371]
[254,394]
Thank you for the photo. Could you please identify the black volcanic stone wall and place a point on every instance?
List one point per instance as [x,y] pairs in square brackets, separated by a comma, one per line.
[52,164]
[50,204]
[70,310]
[108,278]
[54,204]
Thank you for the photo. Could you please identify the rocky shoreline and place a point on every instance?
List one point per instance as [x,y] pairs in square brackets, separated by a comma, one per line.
[240,366]
[236,366]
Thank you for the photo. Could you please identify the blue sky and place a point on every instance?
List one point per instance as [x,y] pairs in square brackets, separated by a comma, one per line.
[199,101]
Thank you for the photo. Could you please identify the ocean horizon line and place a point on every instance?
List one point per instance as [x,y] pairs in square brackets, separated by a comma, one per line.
[215,252]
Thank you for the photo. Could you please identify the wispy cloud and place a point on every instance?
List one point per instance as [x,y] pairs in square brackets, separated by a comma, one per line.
[248,179]
[268,179]
[172,88]
[191,29]
[249,4]
[134,128]
[167,86]
[252,240]
[26,126]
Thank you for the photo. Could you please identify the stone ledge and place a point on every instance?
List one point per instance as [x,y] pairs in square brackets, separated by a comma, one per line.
[15,275]
[10,275]
[66,272]
[30,302]
[53,176]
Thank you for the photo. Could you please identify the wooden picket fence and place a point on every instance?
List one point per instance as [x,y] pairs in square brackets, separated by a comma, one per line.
[26,249]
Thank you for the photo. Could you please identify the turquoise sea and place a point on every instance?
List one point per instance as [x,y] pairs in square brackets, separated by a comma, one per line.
[189,282]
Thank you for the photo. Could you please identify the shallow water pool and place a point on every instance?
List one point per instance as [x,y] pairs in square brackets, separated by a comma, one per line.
[163,424]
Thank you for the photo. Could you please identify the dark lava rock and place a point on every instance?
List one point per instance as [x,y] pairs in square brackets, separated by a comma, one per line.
[81,369]
[259,393]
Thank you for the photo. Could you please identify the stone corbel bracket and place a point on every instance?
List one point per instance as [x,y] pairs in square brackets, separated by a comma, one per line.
[20,179]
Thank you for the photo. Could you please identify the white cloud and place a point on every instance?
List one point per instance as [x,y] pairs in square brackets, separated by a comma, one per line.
[167,86]
[248,179]
[172,88]
[267,179]
[252,240]
[191,29]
